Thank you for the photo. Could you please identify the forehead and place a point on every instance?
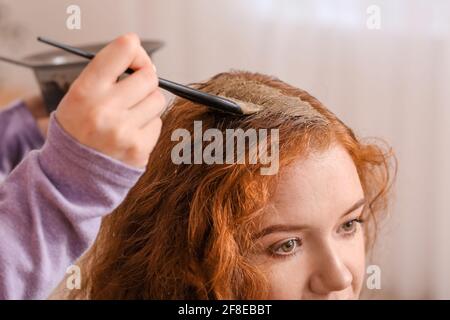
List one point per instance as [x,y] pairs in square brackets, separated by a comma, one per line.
[317,189]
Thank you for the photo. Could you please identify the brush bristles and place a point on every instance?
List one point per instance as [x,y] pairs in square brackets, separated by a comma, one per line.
[247,108]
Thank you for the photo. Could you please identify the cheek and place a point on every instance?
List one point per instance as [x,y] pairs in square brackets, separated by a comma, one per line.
[287,278]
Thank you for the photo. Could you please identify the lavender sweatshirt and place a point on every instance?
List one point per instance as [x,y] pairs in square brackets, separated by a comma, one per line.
[51,204]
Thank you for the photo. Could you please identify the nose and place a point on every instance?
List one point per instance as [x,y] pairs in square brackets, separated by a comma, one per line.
[331,273]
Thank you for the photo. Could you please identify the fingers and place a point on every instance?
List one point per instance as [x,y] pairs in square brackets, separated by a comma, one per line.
[151,133]
[145,140]
[147,110]
[141,60]
[137,86]
[113,60]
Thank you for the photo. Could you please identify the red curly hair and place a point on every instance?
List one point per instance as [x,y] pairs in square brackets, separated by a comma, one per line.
[185,231]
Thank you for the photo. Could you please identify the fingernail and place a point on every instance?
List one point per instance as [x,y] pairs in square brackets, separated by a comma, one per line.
[154,68]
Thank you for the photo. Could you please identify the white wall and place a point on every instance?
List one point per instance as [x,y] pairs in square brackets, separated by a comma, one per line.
[391,83]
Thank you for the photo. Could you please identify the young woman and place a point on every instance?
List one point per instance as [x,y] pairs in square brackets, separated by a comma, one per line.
[226,231]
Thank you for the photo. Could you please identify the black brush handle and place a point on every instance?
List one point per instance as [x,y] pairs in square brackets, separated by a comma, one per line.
[177,89]
[200,97]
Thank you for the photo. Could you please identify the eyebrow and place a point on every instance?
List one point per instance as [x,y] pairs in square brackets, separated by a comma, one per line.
[289,228]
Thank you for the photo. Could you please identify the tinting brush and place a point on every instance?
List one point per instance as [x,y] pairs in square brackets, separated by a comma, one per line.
[194,95]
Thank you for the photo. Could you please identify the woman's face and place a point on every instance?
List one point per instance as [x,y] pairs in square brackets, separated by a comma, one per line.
[312,241]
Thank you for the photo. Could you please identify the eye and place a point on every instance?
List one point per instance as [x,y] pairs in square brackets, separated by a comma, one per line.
[286,248]
[350,227]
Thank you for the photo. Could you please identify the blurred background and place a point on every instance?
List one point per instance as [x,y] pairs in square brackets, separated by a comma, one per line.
[389,78]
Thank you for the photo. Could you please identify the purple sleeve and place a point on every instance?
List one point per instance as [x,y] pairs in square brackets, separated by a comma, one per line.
[19,135]
[51,207]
